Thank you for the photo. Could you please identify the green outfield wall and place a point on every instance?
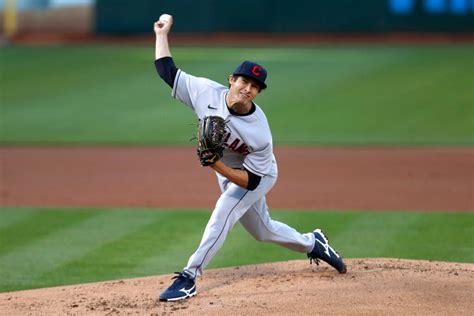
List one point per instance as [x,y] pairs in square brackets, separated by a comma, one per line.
[282,16]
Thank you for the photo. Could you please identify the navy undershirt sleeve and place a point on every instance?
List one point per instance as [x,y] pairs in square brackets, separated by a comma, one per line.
[166,69]
[254,180]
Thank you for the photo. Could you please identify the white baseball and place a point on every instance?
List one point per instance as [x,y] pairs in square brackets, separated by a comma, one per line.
[165,18]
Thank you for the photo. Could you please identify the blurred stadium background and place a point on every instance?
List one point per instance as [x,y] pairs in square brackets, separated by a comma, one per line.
[447,17]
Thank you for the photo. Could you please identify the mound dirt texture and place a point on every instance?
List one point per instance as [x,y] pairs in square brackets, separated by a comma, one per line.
[371,286]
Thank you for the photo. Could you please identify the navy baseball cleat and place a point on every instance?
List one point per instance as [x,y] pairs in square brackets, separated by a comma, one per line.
[323,251]
[183,287]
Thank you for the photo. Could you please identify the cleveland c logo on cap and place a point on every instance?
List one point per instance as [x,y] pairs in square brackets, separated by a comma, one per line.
[256,70]
[252,70]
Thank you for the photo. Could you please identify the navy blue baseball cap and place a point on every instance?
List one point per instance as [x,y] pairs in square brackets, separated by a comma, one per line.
[253,71]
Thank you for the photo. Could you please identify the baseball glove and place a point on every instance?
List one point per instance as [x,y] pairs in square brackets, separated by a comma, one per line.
[210,139]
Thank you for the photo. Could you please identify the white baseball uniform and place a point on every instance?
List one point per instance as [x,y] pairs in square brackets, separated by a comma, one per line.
[249,145]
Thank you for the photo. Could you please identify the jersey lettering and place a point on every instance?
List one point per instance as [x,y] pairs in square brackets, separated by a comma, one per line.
[226,137]
[242,149]
[234,144]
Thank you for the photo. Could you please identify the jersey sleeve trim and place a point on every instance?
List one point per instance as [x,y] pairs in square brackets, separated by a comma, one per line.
[254,180]
[175,85]
[246,166]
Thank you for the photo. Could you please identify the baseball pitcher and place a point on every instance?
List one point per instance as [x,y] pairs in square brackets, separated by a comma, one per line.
[234,140]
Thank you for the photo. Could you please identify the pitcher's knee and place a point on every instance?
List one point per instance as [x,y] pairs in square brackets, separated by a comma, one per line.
[262,237]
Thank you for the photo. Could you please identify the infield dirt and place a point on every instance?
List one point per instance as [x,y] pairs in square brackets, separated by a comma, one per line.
[430,179]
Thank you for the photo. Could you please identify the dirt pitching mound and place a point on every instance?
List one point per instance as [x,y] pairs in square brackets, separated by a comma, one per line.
[371,286]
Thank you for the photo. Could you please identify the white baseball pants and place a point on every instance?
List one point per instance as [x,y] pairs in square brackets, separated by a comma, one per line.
[250,208]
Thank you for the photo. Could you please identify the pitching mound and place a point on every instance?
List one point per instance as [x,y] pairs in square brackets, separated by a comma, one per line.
[371,286]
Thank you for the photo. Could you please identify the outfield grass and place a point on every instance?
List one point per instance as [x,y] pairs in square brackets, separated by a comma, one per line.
[330,95]
[49,247]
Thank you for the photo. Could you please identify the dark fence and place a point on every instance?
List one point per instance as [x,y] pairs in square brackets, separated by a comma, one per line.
[283,16]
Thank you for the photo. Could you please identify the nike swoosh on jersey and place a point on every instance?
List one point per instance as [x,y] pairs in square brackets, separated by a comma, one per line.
[211,107]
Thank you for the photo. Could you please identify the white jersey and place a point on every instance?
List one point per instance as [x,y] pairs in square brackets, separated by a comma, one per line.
[248,137]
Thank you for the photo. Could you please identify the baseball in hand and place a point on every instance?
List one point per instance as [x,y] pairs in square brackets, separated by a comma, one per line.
[164,18]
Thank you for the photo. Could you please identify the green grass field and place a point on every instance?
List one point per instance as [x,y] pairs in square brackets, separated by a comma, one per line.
[49,247]
[330,95]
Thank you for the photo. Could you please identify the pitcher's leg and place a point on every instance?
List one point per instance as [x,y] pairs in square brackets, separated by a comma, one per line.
[229,208]
[258,223]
